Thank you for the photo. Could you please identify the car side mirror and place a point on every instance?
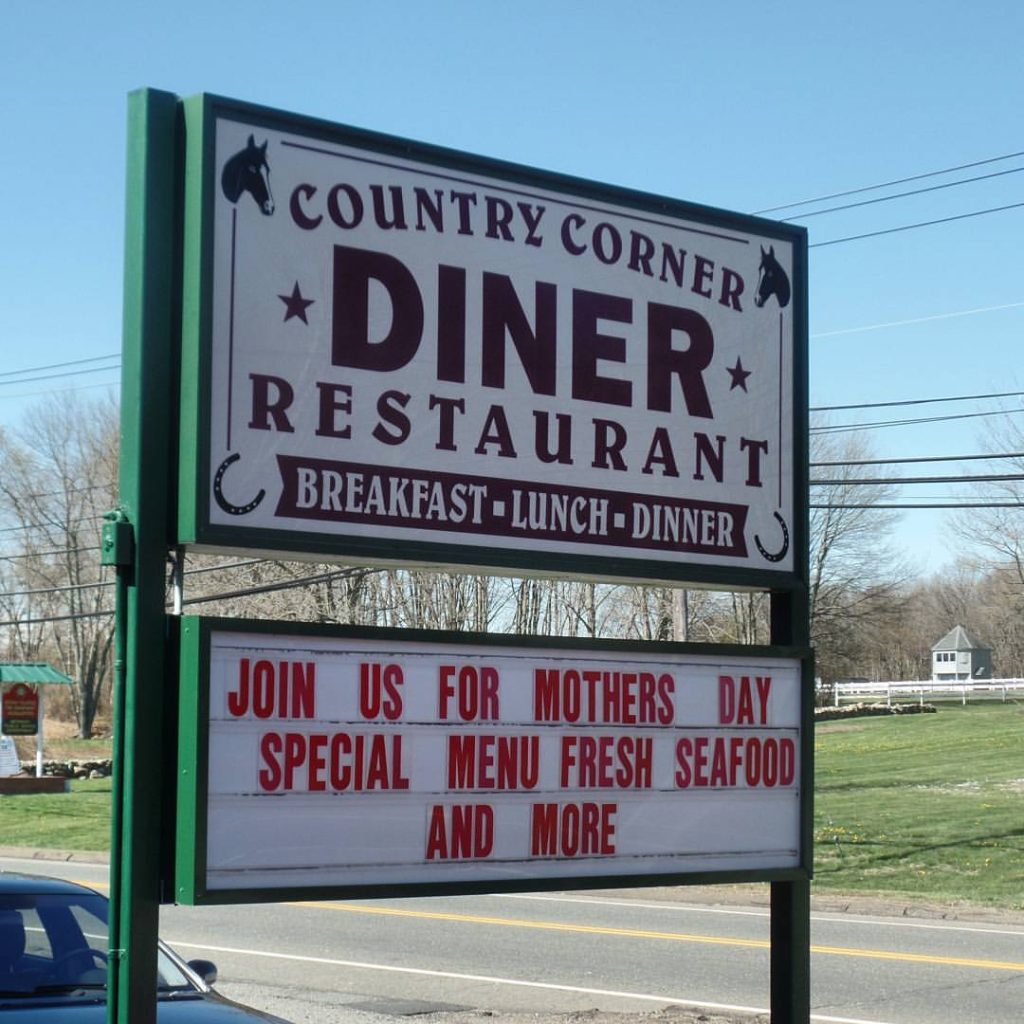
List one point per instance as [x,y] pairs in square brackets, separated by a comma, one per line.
[206,969]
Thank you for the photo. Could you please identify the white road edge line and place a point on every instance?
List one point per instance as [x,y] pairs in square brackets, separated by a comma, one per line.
[549,986]
[824,918]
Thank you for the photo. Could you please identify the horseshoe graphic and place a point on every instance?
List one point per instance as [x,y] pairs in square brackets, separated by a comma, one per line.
[781,553]
[218,492]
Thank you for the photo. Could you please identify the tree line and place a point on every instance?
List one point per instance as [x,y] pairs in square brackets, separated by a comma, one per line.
[871,616]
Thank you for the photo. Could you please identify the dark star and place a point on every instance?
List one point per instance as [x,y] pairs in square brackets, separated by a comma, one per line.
[739,375]
[295,305]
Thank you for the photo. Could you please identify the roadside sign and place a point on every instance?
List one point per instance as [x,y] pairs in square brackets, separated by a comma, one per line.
[19,710]
[405,354]
[389,353]
[345,761]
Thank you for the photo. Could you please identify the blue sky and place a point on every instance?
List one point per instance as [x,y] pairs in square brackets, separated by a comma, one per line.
[743,106]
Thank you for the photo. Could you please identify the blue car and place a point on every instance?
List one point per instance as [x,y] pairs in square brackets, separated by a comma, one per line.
[53,962]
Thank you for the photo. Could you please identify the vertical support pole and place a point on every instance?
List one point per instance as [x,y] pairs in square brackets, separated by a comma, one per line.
[39,734]
[791,625]
[149,378]
[791,952]
[791,901]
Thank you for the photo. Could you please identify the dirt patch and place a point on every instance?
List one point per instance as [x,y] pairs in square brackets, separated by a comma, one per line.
[61,742]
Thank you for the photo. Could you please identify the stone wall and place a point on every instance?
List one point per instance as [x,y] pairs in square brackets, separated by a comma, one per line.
[72,769]
[863,709]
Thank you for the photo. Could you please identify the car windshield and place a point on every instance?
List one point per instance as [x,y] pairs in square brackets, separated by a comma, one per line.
[56,944]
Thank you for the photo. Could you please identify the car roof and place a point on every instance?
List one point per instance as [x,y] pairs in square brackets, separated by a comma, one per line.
[20,884]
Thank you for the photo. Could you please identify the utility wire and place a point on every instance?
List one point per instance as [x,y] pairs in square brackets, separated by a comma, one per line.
[58,366]
[46,554]
[875,481]
[917,401]
[248,592]
[888,184]
[64,391]
[902,195]
[70,490]
[912,505]
[49,526]
[270,588]
[109,583]
[922,458]
[47,591]
[846,427]
[55,376]
[919,224]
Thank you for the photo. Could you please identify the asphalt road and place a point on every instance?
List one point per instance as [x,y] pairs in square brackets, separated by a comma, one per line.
[630,951]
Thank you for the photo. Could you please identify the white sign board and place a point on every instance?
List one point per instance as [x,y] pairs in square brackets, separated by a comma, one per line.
[334,762]
[9,762]
[405,347]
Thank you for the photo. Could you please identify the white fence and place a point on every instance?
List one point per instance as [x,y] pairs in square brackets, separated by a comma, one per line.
[986,689]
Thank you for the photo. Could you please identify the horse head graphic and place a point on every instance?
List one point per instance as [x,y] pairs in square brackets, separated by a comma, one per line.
[771,280]
[248,171]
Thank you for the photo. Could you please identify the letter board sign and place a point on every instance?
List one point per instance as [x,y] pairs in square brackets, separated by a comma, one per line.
[398,353]
[349,761]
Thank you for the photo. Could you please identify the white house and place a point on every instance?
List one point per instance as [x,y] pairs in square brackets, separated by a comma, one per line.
[956,658]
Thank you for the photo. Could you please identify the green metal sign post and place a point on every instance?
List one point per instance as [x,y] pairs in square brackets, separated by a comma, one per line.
[137,540]
[791,900]
[232,440]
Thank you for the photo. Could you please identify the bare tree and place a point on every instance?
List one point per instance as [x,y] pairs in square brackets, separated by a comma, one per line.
[58,476]
[997,534]
[856,578]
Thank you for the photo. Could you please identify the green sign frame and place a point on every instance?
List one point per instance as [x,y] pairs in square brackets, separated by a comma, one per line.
[194,757]
[217,307]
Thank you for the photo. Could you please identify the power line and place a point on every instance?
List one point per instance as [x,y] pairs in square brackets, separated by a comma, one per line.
[46,591]
[922,458]
[846,427]
[913,505]
[888,184]
[917,401]
[50,526]
[875,481]
[56,376]
[269,588]
[88,489]
[109,583]
[199,570]
[919,224]
[64,391]
[903,195]
[204,599]
[46,554]
[58,366]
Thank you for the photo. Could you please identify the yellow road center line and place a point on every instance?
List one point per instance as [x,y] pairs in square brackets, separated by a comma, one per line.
[637,933]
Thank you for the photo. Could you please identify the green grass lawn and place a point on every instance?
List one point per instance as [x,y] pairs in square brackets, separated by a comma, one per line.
[922,806]
[79,820]
[930,806]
